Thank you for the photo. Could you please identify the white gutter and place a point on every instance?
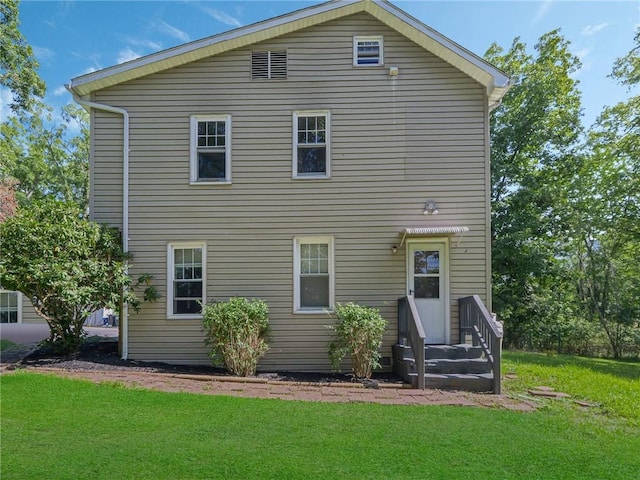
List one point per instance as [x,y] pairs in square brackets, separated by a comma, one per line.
[125,198]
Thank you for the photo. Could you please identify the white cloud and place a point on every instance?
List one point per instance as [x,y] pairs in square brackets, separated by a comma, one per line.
[43,53]
[542,10]
[223,17]
[164,27]
[127,55]
[593,29]
[59,91]
[87,71]
[582,54]
[140,42]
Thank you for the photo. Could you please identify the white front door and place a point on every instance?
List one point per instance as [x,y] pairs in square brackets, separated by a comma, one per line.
[427,281]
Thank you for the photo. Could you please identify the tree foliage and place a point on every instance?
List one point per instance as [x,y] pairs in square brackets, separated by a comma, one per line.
[566,217]
[44,158]
[606,217]
[18,66]
[68,267]
[533,134]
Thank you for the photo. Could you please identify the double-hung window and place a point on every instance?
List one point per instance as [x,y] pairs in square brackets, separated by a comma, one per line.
[368,51]
[311,144]
[10,307]
[210,149]
[186,279]
[313,274]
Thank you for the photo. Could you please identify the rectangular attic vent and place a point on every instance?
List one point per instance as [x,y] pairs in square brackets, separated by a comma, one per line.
[269,65]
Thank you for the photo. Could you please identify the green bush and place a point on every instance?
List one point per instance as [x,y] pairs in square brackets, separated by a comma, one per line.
[236,330]
[359,332]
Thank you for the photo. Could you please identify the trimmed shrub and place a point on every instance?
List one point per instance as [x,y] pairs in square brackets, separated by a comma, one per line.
[359,332]
[236,330]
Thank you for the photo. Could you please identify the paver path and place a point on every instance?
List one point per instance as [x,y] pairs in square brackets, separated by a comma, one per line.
[285,390]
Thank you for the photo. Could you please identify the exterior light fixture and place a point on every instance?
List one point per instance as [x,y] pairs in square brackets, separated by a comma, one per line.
[394,249]
[430,207]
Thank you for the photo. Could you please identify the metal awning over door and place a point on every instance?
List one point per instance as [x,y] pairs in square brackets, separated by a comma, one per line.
[432,231]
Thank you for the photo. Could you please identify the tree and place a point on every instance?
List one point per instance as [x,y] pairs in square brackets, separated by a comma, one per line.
[68,267]
[18,66]
[43,159]
[533,135]
[606,217]
[8,202]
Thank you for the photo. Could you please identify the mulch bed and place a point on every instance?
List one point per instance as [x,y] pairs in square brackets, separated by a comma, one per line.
[102,355]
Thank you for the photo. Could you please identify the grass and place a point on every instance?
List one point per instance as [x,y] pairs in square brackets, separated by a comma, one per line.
[5,344]
[58,428]
[612,385]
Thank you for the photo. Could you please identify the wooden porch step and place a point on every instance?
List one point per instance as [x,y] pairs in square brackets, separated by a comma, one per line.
[456,381]
[452,352]
[465,365]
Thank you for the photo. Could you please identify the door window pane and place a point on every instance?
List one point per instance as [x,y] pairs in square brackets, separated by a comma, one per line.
[426,262]
[426,287]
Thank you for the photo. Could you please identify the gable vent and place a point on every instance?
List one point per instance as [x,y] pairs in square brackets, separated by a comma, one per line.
[269,65]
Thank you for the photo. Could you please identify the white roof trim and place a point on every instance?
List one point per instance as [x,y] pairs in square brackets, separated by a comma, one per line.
[429,231]
[495,81]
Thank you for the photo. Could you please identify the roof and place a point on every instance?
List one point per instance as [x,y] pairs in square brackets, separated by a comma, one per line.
[495,81]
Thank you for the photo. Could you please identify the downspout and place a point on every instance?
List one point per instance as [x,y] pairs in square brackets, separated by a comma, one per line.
[125,199]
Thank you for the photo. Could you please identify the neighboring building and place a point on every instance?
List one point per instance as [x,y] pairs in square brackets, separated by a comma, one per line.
[17,308]
[339,153]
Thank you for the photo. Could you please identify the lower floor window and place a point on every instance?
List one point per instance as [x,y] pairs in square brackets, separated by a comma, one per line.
[313,260]
[9,307]
[187,263]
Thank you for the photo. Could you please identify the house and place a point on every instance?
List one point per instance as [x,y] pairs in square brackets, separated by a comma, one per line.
[338,153]
[15,307]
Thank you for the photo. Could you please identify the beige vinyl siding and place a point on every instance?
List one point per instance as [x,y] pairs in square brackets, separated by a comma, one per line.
[29,314]
[105,169]
[394,143]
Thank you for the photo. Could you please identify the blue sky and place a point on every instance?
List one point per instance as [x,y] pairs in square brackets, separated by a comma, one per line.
[70,38]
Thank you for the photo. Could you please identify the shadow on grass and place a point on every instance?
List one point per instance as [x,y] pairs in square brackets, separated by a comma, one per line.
[619,368]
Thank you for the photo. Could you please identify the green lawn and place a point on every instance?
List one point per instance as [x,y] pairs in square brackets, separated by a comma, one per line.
[612,385]
[56,428]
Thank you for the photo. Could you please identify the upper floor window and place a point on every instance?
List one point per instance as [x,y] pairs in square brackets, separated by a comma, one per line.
[186,266]
[368,51]
[269,65]
[311,135]
[10,307]
[313,274]
[210,149]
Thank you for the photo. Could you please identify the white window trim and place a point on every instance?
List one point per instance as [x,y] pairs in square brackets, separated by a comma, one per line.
[311,113]
[369,38]
[170,272]
[19,300]
[296,275]
[193,149]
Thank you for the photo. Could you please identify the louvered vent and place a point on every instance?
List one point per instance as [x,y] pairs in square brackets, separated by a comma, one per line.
[269,65]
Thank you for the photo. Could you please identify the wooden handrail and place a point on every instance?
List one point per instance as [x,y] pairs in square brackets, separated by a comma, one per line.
[476,320]
[411,326]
